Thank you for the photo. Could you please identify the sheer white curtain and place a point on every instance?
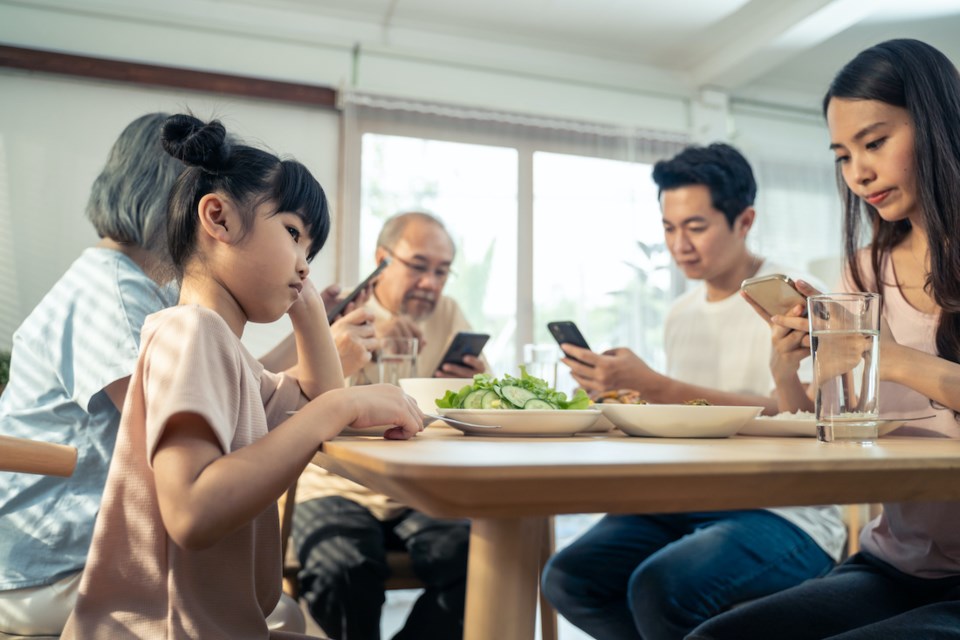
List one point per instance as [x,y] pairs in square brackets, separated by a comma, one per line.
[799,217]
[550,216]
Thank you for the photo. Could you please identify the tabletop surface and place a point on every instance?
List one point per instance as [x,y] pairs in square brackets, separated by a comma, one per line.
[448,474]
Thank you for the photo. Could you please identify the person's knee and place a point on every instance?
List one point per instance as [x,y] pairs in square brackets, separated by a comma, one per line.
[562,583]
[442,560]
[660,598]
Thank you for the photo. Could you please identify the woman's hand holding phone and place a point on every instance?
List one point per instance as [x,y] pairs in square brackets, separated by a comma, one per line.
[789,333]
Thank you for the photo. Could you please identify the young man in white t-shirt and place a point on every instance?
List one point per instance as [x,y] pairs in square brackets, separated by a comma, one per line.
[656,577]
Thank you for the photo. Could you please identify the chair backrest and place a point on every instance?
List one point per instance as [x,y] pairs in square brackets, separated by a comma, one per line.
[32,456]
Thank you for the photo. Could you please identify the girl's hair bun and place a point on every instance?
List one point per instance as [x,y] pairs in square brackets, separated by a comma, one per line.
[194,142]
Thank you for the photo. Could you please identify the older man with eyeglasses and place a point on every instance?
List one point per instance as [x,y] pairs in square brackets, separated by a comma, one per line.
[408,298]
[341,530]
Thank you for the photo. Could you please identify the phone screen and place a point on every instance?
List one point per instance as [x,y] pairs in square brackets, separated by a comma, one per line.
[342,304]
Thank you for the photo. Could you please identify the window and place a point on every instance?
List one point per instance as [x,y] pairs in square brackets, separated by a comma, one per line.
[473,189]
[597,242]
[553,219]
[599,255]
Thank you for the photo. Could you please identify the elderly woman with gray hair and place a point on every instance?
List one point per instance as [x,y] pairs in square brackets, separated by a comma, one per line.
[72,358]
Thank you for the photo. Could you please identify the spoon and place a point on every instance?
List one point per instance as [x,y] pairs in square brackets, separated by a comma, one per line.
[462,423]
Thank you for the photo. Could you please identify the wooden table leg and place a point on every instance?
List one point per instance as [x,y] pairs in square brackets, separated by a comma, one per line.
[502,575]
[548,615]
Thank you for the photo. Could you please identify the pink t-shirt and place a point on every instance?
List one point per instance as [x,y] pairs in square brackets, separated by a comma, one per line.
[918,538]
[138,583]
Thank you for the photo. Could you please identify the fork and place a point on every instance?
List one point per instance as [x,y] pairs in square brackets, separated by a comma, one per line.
[452,421]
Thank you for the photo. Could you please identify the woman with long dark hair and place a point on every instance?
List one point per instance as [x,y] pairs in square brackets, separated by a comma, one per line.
[894,119]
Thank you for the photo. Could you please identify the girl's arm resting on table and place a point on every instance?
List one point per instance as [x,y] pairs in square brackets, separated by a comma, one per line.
[205,494]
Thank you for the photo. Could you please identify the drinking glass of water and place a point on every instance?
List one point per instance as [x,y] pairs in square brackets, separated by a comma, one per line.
[845,342]
[397,358]
[540,361]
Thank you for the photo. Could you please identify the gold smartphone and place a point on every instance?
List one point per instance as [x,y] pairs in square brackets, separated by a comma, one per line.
[776,294]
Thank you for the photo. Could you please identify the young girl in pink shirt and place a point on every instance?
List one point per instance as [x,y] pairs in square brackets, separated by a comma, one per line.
[187,544]
[894,119]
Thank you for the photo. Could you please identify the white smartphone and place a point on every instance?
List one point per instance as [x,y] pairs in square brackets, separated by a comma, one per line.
[776,294]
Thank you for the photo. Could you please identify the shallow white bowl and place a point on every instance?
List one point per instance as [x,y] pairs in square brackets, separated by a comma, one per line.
[524,422]
[678,420]
[426,390]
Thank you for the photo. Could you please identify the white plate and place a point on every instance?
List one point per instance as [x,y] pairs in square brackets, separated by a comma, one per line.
[678,420]
[521,422]
[798,426]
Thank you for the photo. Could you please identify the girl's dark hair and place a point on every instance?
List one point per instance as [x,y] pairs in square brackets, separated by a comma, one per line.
[248,176]
[914,76]
[720,168]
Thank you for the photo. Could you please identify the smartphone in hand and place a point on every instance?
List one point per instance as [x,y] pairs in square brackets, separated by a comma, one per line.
[776,293]
[464,344]
[566,332]
[342,304]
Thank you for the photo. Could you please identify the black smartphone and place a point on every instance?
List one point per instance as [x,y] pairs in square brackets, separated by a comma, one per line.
[342,304]
[464,344]
[566,332]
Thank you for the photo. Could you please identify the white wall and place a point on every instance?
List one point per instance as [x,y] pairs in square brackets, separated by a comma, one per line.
[269,44]
[55,133]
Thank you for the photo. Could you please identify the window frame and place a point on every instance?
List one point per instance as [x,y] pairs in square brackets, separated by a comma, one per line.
[607,143]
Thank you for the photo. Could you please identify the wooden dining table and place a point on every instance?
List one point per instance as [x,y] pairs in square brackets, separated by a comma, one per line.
[507,486]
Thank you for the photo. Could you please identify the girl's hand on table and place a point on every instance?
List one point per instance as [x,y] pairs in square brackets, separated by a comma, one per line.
[379,404]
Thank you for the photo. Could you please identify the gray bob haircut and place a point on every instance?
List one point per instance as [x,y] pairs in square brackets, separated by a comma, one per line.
[394,226]
[128,200]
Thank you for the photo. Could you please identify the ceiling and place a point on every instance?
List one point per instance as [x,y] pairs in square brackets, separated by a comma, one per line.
[783,50]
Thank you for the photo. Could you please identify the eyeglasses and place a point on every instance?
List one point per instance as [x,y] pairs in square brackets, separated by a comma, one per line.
[420,269]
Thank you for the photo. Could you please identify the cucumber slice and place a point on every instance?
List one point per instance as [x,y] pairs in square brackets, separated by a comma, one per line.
[490,400]
[537,403]
[474,399]
[516,395]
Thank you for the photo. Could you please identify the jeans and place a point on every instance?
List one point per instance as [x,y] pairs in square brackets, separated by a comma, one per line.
[656,577]
[342,551]
[862,599]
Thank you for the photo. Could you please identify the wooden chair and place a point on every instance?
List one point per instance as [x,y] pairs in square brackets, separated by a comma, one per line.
[401,568]
[402,575]
[31,456]
[18,455]
[857,515]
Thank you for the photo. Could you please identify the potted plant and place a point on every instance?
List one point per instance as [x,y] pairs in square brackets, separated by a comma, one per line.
[4,369]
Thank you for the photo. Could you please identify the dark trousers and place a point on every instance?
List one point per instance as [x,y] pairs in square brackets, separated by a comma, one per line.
[342,551]
[862,599]
[656,577]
